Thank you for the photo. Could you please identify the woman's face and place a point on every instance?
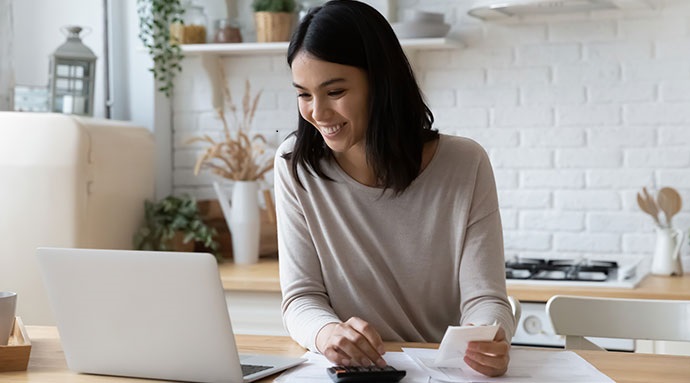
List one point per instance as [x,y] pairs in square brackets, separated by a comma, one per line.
[333,98]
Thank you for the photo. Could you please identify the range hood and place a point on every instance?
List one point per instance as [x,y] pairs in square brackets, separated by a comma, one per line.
[501,9]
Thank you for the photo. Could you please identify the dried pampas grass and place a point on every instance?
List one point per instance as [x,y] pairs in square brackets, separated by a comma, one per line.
[240,157]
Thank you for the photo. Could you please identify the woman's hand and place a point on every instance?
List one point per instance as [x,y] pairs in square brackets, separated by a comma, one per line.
[489,358]
[352,343]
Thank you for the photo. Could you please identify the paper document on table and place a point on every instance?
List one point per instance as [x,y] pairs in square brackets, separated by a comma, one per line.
[314,369]
[526,366]
[455,340]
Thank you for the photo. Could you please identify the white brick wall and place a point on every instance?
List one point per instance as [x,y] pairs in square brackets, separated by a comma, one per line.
[577,112]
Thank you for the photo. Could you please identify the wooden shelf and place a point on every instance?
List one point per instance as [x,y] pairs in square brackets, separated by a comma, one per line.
[281,47]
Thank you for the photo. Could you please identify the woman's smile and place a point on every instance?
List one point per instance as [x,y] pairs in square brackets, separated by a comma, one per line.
[331,131]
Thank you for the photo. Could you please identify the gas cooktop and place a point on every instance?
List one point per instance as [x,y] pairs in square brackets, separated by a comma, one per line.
[583,272]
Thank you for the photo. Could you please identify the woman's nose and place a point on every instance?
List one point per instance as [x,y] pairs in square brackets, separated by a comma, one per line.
[320,110]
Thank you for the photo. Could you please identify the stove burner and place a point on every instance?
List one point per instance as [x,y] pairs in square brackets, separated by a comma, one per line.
[561,269]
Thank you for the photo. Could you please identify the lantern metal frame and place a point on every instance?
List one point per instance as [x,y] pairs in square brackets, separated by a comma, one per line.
[72,76]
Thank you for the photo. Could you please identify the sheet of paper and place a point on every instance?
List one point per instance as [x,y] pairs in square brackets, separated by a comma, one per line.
[455,340]
[526,366]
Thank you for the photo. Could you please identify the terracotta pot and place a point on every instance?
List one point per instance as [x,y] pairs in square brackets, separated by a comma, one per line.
[176,243]
[273,26]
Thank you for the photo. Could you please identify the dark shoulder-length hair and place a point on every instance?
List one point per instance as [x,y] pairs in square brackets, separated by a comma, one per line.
[352,33]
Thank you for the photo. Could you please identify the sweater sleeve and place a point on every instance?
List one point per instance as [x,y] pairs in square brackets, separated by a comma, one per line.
[482,269]
[305,304]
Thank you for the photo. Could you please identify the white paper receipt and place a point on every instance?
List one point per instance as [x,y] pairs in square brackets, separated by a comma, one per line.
[454,343]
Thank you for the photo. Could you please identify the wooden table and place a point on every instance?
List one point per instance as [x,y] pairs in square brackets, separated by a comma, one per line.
[47,363]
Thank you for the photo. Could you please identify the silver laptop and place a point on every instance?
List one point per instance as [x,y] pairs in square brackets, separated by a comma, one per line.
[147,314]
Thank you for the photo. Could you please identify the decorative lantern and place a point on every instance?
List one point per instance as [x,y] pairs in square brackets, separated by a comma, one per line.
[72,76]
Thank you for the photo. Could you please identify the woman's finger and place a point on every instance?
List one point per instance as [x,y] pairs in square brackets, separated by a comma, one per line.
[348,343]
[336,356]
[371,345]
[486,370]
[356,343]
[489,358]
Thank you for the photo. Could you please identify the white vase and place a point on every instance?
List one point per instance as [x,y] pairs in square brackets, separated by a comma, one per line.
[243,219]
[666,260]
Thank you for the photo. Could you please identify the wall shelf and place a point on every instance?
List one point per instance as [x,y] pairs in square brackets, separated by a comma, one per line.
[240,49]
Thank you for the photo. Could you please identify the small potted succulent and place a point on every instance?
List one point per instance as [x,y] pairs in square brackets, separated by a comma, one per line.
[174,224]
[274,19]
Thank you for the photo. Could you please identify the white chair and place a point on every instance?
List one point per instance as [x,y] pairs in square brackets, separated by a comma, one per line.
[648,319]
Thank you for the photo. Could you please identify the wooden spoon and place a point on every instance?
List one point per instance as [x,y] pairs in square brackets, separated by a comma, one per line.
[643,202]
[670,202]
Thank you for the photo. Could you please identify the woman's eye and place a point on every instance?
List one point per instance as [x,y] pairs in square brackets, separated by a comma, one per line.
[303,95]
[336,92]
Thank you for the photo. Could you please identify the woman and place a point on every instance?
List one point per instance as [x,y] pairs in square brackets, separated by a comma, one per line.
[387,230]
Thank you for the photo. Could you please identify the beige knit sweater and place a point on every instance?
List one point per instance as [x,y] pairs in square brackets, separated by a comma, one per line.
[409,265]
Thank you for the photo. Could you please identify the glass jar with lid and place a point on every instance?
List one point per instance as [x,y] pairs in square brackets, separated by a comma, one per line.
[193,28]
[227,31]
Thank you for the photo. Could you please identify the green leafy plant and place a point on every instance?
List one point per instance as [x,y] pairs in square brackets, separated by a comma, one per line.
[155,17]
[273,5]
[172,215]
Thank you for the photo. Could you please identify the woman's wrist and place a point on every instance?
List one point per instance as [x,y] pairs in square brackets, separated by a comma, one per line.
[323,335]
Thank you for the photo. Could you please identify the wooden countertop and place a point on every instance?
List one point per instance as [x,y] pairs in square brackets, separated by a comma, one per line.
[47,362]
[651,287]
[263,277]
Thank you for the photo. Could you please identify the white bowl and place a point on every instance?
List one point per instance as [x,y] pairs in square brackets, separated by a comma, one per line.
[413,30]
[422,16]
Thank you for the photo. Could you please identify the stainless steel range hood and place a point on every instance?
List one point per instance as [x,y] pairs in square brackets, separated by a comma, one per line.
[501,9]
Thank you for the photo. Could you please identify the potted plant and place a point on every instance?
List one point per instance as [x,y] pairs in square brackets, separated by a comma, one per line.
[155,20]
[174,223]
[243,159]
[273,19]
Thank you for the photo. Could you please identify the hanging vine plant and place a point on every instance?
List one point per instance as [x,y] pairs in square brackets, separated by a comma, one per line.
[155,17]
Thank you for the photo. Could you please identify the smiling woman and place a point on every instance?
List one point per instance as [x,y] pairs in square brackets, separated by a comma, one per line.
[331,97]
[369,198]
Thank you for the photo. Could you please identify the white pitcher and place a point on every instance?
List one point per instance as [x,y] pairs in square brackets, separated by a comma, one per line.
[666,259]
[243,219]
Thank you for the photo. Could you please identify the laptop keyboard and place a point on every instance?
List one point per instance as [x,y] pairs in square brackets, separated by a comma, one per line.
[248,369]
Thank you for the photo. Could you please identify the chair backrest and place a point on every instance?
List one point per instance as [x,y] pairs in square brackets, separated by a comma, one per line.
[649,319]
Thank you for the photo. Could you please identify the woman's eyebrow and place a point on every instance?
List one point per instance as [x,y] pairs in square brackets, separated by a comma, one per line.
[323,84]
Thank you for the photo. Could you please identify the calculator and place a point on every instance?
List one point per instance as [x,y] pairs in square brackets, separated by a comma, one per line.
[352,374]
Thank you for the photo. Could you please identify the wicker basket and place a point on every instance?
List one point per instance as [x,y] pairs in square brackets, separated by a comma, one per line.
[273,26]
